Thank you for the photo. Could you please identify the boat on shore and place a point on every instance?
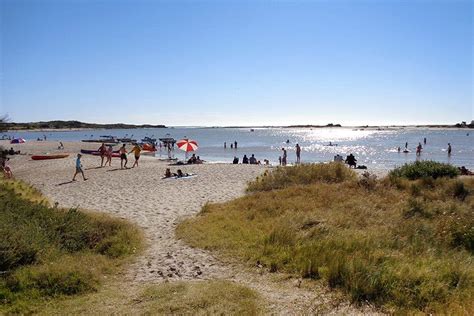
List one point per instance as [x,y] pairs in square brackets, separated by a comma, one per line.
[48,156]
[111,141]
[149,140]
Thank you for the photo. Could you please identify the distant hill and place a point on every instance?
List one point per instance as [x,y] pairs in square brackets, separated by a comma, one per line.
[71,125]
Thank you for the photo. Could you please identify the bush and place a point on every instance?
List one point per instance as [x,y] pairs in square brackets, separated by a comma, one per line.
[424,169]
[304,174]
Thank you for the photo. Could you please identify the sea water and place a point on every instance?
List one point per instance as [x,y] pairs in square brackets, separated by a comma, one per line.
[377,149]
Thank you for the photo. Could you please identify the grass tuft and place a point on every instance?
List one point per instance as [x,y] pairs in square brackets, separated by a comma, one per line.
[283,177]
[200,298]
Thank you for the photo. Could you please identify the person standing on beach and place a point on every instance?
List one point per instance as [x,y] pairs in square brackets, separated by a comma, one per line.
[79,168]
[123,156]
[449,149]
[283,158]
[298,153]
[108,154]
[102,152]
[136,150]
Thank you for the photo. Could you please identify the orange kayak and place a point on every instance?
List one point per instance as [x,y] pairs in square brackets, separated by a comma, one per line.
[44,157]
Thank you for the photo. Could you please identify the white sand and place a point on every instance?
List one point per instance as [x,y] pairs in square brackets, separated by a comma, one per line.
[156,205]
[141,196]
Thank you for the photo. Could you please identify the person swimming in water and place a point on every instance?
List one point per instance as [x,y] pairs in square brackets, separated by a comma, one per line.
[298,153]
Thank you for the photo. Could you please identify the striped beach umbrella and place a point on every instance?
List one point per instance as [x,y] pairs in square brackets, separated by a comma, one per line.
[187,145]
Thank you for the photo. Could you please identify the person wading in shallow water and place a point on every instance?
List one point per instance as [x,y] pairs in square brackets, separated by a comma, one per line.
[283,158]
[298,154]
[418,149]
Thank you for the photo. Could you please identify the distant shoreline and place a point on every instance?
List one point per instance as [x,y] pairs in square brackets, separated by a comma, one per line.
[49,126]
[370,128]
[70,126]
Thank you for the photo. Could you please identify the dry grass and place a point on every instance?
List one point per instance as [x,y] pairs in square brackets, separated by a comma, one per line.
[303,174]
[405,245]
[24,190]
[201,298]
[177,298]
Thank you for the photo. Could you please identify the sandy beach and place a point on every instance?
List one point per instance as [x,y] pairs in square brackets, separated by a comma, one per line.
[157,205]
[141,196]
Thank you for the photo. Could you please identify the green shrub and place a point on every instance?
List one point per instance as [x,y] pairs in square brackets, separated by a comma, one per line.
[424,169]
[304,174]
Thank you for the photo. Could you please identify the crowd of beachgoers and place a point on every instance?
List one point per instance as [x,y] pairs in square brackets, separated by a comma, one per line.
[106,152]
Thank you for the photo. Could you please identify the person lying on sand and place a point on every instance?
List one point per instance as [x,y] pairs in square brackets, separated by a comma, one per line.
[180,174]
[168,173]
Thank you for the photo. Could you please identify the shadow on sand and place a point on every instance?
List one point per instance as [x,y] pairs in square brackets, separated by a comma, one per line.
[68,182]
[117,169]
[92,168]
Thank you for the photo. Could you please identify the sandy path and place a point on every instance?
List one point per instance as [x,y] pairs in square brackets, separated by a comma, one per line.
[156,205]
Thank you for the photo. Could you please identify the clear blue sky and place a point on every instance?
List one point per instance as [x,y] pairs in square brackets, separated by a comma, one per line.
[237,62]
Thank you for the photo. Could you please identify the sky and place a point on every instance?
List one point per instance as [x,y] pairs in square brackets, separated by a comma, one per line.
[220,63]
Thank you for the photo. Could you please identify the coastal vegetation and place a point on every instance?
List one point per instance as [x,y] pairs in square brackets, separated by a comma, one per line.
[7,125]
[404,245]
[47,252]
[424,169]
